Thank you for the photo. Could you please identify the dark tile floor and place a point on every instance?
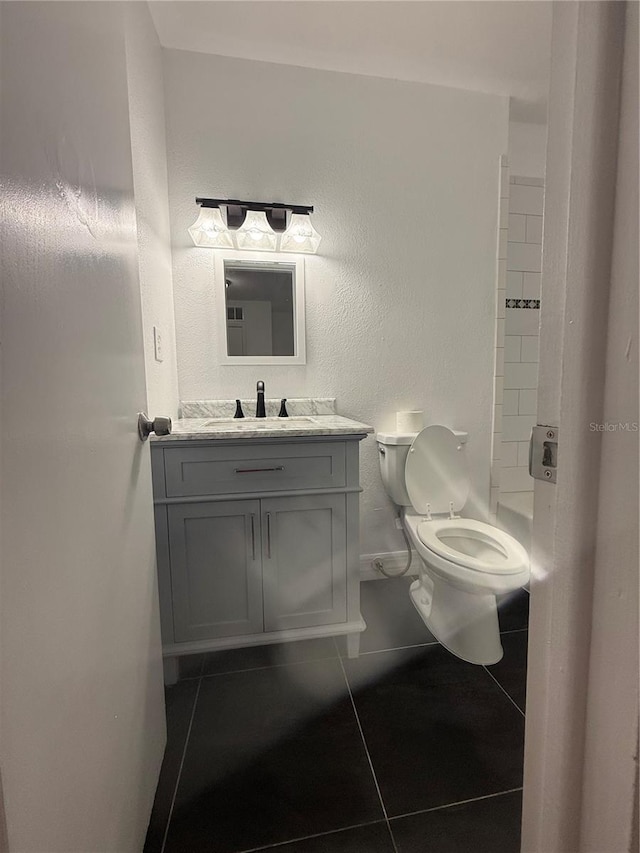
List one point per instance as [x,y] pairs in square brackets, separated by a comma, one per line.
[404,749]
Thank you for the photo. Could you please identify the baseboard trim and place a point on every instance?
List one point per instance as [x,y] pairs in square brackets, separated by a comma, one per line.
[394,561]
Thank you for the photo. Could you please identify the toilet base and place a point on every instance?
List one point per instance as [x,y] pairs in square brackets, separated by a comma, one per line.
[465,623]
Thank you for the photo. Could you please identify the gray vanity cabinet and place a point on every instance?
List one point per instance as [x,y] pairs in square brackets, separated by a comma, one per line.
[216,582]
[257,542]
[304,561]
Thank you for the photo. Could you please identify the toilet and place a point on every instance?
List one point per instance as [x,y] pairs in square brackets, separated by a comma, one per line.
[464,563]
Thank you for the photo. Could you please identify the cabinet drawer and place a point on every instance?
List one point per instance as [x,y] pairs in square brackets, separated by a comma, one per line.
[253,467]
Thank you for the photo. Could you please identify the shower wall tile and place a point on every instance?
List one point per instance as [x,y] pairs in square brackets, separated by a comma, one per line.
[529,350]
[526,181]
[514,284]
[502,243]
[515,480]
[524,262]
[523,321]
[520,376]
[528,401]
[517,228]
[523,454]
[525,199]
[533,229]
[511,402]
[524,257]
[517,427]
[531,285]
[502,298]
[512,348]
[509,455]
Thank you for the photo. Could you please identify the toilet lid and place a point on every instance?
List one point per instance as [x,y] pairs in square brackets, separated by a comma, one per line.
[436,472]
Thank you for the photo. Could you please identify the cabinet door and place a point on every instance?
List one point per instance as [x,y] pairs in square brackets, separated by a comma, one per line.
[304,561]
[216,578]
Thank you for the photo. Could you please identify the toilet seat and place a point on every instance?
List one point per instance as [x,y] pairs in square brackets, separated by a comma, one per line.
[438,486]
[473,545]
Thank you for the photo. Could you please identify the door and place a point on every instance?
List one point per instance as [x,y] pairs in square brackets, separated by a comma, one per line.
[304,561]
[582,689]
[215,569]
[82,694]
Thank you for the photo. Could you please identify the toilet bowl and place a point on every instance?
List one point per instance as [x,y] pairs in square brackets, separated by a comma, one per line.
[464,563]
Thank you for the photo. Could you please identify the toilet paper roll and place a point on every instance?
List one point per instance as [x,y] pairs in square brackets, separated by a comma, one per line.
[409,421]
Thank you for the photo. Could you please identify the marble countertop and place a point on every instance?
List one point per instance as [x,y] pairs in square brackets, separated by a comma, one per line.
[192,429]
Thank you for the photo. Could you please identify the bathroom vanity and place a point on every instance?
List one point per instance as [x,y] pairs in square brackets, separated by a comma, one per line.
[257,532]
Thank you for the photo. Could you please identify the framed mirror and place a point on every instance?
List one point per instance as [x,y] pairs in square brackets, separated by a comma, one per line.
[260,308]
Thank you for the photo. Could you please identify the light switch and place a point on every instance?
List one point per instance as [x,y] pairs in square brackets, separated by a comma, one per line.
[157,343]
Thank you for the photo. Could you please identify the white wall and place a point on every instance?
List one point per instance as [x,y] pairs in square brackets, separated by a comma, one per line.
[82,722]
[400,300]
[527,148]
[149,154]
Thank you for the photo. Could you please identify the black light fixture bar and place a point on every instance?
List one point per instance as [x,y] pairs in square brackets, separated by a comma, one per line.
[254,205]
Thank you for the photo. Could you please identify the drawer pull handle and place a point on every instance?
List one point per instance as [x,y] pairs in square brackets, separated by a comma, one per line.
[253,535]
[257,470]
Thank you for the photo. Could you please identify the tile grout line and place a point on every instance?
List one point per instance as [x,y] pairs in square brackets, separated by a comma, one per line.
[515,704]
[258,668]
[400,648]
[457,803]
[179,774]
[366,749]
[307,837]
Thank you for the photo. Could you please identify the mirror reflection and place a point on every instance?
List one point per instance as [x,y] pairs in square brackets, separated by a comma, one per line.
[260,308]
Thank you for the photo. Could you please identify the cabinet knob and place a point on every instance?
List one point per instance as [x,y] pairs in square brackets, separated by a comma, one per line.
[161,426]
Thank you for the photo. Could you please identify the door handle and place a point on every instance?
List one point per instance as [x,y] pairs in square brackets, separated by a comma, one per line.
[268,535]
[253,535]
[161,426]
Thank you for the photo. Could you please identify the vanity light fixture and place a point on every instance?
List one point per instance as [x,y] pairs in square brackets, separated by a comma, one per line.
[256,233]
[211,230]
[300,236]
[255,225]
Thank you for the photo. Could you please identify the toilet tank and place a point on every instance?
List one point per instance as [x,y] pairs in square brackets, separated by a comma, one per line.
[393,448]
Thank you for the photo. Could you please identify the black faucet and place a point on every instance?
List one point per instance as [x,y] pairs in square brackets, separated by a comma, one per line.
[260,410]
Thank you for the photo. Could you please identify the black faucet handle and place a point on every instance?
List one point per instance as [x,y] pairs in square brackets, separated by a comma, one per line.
[239,413]
[260,408]
[283,413]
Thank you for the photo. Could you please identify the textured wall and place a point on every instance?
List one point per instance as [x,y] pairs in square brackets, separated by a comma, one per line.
[401,298]
[527,148]
[149,155]
[82,700]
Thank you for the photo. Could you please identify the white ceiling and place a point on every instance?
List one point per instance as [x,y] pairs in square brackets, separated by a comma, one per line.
[496,46]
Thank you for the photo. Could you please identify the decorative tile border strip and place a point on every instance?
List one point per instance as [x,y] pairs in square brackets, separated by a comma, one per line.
[522,303]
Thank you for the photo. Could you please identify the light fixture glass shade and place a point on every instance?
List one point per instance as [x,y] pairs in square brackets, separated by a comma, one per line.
[256,233]
[210,230]
[300,236]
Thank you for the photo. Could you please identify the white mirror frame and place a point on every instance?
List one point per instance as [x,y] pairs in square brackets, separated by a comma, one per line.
[268,259]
